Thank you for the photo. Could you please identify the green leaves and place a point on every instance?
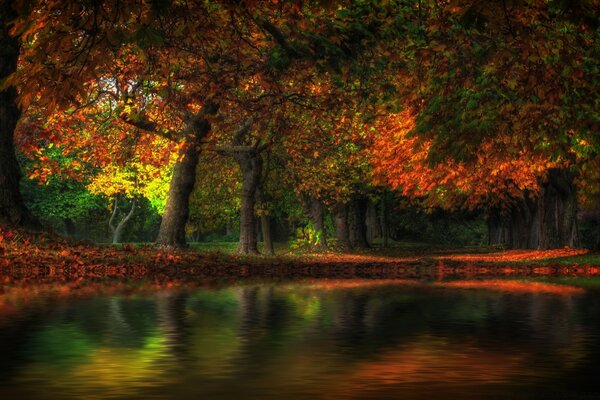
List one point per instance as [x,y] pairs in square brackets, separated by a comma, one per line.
[149,35]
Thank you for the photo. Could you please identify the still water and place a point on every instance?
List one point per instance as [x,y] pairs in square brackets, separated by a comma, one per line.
[325,339]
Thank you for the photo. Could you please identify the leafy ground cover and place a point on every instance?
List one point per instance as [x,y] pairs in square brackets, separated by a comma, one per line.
[25,250]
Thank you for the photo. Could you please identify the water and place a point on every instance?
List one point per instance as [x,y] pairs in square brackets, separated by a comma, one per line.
[309,338]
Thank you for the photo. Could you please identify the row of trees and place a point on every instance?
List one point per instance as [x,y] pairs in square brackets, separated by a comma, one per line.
[456,105]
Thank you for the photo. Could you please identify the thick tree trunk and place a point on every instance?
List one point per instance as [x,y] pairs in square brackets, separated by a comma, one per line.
[340,220]
[172,227]
[546,222]
[267,234]
[266,229]
[385,233]
[373,227]
[357,223]
[558,211]
[12,209]
[315,211]
[251,166]
[498,228]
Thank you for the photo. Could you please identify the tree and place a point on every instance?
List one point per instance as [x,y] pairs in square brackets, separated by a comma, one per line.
[12,209]
[492,181]
[512,76]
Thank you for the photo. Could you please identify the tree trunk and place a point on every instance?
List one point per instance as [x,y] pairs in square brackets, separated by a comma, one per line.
[267,234]
[117,231]
[357,211]
[12,209]
[373,228]
[546,222]
[340,219]
[315,211]
[251,166]
[70,228]
[558,211]
[177,209]
[523,228]
[266,228]
[498,228]
[385,233]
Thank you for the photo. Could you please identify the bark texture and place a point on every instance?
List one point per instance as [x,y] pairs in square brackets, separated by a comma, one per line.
[265,227]
[372,222]
[546,222]
[267,234]
[383,217]
[251,166]
[357,215]
[340,220]
[117,230]
[249,159]
[12,208]
[177,209]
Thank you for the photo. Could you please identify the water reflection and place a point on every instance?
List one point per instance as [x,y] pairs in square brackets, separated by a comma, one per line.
[316,339]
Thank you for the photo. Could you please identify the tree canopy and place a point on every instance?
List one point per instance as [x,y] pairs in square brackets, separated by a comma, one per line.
[464,106]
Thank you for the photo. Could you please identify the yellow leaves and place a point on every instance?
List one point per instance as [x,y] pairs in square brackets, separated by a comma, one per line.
[134,179]
[113,181]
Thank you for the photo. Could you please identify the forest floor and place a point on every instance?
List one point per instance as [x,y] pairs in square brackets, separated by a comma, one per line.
[34,266]
[23,250]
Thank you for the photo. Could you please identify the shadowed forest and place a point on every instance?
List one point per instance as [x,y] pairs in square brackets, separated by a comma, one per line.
[267,199]
[314,125]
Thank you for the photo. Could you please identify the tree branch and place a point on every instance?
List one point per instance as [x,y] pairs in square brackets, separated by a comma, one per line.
[111,221]
[279,38]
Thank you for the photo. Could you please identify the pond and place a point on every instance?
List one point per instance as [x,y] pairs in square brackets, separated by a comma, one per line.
[326,338]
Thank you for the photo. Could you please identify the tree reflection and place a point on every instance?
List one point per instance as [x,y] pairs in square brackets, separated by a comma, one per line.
[342,337]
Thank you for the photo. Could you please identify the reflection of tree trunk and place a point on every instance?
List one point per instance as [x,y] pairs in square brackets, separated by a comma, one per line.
[12,209]
[117,231]
[171,312]
[118,322]
[546,222]
[340,219]
[357,223]
[249,307]
[172,227]
[315,211]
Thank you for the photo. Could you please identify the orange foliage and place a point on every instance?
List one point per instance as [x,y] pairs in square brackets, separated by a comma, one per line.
[401,161]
